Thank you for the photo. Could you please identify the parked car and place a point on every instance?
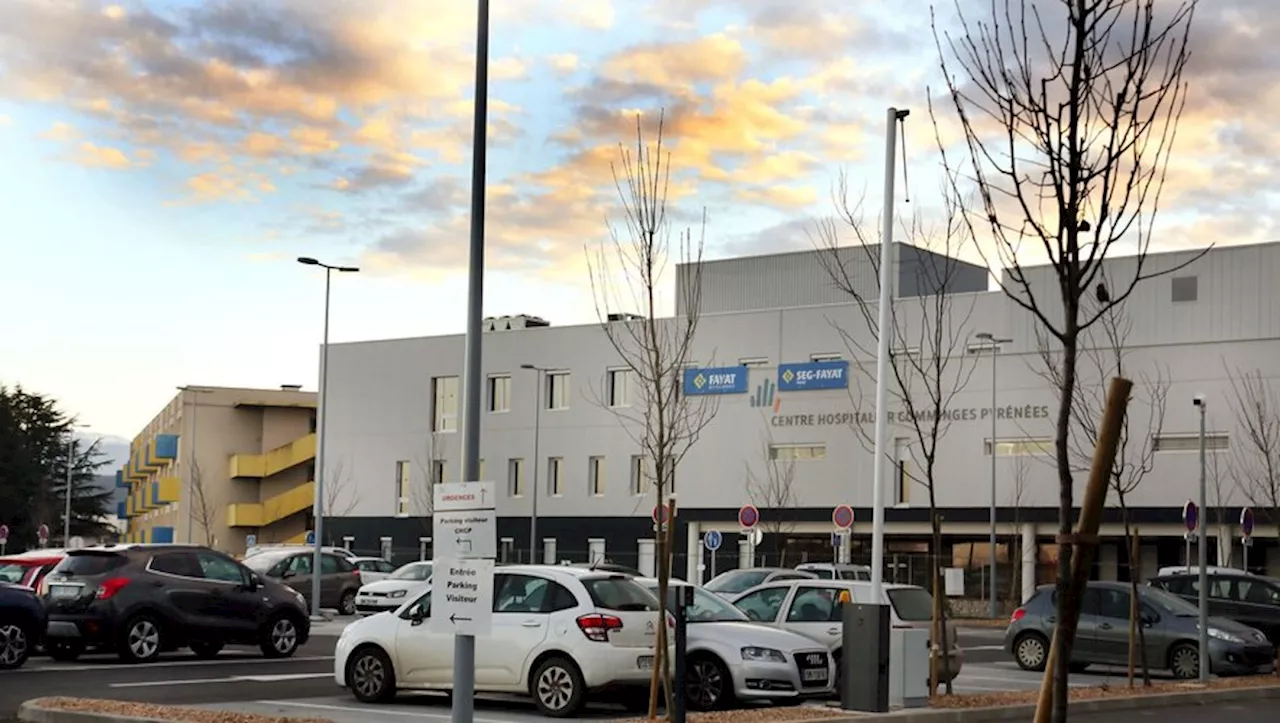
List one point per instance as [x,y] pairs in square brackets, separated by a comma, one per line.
[730,658]
[281,547]
[1170,628]
[30,567]
[560,633]
[339,578]
[408,581]
[1248,599]
[372,569]
[831,571]
[141,600]
[22,624]
[606,566]
[731,583]
[812,608]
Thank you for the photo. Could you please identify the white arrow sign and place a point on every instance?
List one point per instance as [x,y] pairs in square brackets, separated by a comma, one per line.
[455,496]
[464,535]
[462,597]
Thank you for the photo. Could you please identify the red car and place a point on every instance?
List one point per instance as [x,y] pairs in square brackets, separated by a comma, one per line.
[29,568]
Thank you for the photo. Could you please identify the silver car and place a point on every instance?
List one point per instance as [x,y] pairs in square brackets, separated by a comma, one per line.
[833,571]
[732,659]
[729,584]
[1170,627]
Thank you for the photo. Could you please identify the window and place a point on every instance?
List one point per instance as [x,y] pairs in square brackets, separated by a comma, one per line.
[737,581]
[444,404]
[901,473]
[333,565]
[813,605]
[754,361]
[619,593]
[299,564]
[515,477]
[1214,441]
[481,465]
[182,564]
[595,476]
[639,475]
[1021,447]
[1111,603]
[219,568]
[557,390]
[500,393]
[437,471]
[555,476]
[825,356]
[763,605]
[521,594]
[1185,288]
[403,485]
[421,608]
[797,452]
[619,390]
[915,604]
[413,571]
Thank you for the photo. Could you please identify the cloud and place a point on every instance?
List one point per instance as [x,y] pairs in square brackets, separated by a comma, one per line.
[564,63]
[60,131]
[94,156]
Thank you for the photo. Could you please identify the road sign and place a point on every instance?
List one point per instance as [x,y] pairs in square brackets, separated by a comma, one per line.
[1190,516]
[712,540]
[462,597]
[471,534]
[748,516]
[842,517]
[250,540]
[42,534]
[311,537]
[661,512]
[1246,523]
[837,539]
[454,496]
[755,535]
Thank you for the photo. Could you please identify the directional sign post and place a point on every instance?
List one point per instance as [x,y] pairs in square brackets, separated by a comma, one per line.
[311,537]
[42,535]
[250,540]
[748,518]
[1191,520]
[712,541]
[1246,533]
[661,515]
[4,538]
[465,544]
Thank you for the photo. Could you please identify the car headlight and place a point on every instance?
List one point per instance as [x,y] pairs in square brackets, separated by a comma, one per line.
[763,655]
[397,593]
[1225,636]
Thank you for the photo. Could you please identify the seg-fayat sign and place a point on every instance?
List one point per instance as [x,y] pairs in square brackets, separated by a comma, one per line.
[964,414]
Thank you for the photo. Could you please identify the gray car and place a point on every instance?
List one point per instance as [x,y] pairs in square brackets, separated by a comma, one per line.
[1171,628]
[733,582]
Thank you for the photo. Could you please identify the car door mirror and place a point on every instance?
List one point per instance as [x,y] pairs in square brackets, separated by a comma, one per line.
[417,615]
[1149,618]
[253,583]
[287,574]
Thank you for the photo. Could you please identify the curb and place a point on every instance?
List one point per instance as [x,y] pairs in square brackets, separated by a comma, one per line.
[32,712]
[1024,712]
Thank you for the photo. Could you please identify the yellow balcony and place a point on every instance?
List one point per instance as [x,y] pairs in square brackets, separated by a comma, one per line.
[165,490]
[302,449]
[274,509]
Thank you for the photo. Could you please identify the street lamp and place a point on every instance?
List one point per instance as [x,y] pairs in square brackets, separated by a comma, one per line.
[537,428]
[318,507]
[1203,555]
[191,460]
[71,459]
[994,343]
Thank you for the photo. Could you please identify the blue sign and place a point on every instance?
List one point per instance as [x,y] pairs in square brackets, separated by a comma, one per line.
[813,375]
[250,540]
[720,380]
[311,537]
[712,540]
[1190,516]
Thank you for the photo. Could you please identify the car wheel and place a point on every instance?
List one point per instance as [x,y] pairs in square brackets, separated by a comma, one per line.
[279,637]
[15,646]
[141,641]
[557,688]
[205,649]
[347,605]
[1184,661]
[708,685]
[64,652]
[1031,652]
[370,676]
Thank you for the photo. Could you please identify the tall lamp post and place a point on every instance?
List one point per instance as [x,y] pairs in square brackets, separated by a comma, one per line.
[318,508]
[71,466]
[191,461]
[1203,555]
[994,343]
[537,429]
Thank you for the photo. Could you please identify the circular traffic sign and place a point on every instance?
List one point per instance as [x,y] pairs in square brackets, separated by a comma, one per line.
[4,532]
[842,517]
[661,512]
[1246,522]
[1190,516]
[748,516]
[43,532]
[712,540]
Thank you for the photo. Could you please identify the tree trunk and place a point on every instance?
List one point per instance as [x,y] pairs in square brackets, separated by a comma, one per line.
[939,590]
[1066,503]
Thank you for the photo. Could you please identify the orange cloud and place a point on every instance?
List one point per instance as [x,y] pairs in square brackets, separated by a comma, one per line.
[61,131]
[713,58]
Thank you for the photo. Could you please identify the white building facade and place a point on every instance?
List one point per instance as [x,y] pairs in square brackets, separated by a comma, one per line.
[796,443]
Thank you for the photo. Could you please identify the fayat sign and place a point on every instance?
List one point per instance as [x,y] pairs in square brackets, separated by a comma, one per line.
[798,377]
[900,416]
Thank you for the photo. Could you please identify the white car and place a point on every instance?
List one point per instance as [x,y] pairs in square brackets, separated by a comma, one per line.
[832,571]
[407,582]
[559,633]
[729,658]
[372,569]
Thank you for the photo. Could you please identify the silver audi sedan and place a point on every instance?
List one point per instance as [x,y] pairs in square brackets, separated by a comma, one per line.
[731,659]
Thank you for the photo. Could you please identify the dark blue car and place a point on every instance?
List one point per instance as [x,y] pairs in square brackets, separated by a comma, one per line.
[22,623]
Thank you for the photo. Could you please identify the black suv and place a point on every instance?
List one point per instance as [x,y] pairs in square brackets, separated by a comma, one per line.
[22,622]
[1240,596]
[140,600]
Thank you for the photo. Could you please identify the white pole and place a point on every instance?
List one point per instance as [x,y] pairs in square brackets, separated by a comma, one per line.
[71,459]
[323,414]
[884,332]
[1203,554]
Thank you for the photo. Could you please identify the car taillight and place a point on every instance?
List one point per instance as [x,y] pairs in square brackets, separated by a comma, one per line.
[1018,615]
[596,627]
[111,586]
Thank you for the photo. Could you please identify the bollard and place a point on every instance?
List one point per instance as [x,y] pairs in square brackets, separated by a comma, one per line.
[684,599]
[864,656]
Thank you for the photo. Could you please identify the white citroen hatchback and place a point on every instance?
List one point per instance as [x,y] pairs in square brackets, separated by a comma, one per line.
[559,634]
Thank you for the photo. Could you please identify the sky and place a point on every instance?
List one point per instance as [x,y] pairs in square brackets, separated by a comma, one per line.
[165,163]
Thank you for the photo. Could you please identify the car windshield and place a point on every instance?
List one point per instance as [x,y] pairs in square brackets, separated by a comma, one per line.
[89,563]
[264,561]
[707,607]
[1169,603]
[737,581]
[912,604]
[619,593]
[413,571]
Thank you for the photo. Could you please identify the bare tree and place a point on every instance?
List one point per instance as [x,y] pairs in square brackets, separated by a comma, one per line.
[422,491]
[628,275]
[773,492]
[1068,125]
[1255,459]
[1017,496]
[1222,495]
[339,493]
[928,357]
[204,510]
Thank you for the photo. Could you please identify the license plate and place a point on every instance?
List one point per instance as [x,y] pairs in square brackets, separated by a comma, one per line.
[815,676]
[645,662]
[64,592]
